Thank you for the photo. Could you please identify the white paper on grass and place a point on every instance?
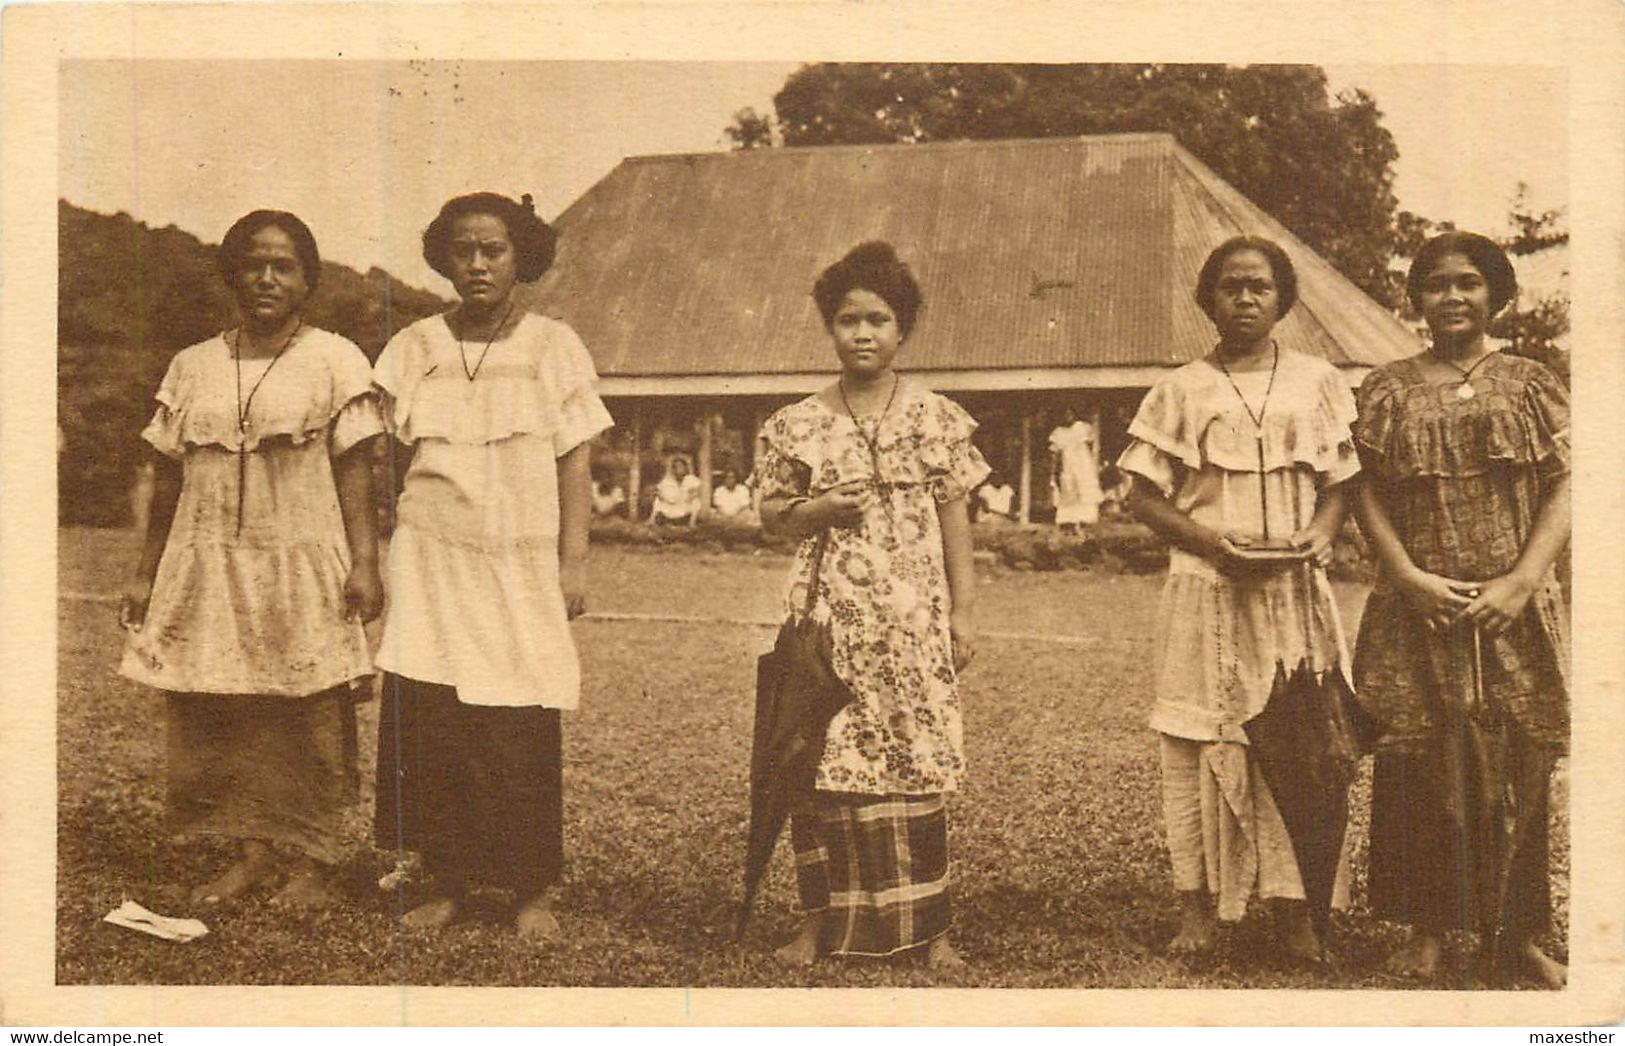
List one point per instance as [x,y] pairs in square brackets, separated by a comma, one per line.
[132,916]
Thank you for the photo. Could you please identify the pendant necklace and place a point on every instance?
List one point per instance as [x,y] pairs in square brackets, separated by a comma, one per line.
[245,406]
[872,441]
[1465,390]
[462,352]
[1258,426]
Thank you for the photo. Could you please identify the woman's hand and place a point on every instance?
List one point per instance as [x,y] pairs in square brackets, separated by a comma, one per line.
[1440,599]
[573,583]
[363,593]
[1497,603]
[1317,542]
[1232,563]
[839,506]
[132,605]
[962,627]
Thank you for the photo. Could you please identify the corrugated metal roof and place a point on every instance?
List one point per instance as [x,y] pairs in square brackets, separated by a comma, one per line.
[1056,252]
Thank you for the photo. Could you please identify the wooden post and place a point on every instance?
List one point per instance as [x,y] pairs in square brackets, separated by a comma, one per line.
[636,469]
[1026,465]
[753,437]
[703,459]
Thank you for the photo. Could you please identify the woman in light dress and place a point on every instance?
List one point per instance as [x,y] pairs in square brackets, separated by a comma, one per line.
[1075,475]
[495,406]
[258,570]
[1250,441]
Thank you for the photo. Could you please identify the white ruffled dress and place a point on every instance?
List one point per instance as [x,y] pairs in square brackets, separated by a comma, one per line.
[255,604]
[473,575]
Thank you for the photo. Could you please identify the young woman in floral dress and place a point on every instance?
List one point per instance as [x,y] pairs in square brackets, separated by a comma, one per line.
[884,467]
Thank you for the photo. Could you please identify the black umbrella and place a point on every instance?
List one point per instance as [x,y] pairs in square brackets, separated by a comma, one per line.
[1486,789]
[1308,741]
[797,694]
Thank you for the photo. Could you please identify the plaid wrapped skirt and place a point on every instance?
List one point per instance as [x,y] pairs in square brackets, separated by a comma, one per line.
[876,868]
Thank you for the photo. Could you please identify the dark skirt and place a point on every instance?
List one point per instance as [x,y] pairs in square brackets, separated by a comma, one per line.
[1438,856]
[876,870]
[476,790]
[280,769]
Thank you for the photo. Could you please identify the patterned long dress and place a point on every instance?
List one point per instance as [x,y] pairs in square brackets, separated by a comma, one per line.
[1463,480]
[872,852]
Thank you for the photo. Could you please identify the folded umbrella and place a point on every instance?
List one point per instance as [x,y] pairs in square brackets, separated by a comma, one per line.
[1308,741]
[797,694]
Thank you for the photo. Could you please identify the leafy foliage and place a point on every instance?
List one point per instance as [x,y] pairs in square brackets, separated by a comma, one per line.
[1322,166]
[128,298]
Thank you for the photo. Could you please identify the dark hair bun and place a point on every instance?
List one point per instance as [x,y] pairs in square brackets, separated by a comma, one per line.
[871,266]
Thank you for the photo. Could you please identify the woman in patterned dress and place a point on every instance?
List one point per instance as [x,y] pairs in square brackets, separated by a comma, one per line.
[884,467]
[259,567]
[1466,503]
[494,407]
[1249,441]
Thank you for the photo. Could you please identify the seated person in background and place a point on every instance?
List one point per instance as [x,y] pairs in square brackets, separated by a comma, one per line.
[677,495]
[608,499]
[732,500]
[996,500]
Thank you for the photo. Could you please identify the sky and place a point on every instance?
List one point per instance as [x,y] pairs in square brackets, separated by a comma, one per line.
[366,151]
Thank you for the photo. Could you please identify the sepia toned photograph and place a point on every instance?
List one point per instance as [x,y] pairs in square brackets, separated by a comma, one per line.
[698,524]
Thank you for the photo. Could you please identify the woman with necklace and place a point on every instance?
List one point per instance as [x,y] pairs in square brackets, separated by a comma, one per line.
[496,408]
[1248,444]
[1464,640]
[259,568]
[883,468]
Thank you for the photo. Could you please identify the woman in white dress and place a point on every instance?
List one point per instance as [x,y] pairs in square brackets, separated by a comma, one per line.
[259,568]
[496,406]
[1075,476]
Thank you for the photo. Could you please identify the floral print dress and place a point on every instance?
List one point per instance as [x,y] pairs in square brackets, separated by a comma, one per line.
[883,589]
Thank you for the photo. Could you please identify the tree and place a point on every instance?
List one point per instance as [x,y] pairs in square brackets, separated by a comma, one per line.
[1536,323]
[1322,166]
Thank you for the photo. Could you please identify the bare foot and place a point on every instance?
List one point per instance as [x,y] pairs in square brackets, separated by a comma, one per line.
[940,955]
[1418,959]
[306,888]
[255,867]
[536,920]
[1296,933]
[1545,969]
[803,949]
[434,914]
[1196,925]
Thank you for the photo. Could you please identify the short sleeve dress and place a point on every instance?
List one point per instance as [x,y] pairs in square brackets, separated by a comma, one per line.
[245,628]
[884,589]
[249,595]
[1464,479]
[473,564]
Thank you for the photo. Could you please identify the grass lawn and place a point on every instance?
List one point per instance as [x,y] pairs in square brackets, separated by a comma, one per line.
[1060,877]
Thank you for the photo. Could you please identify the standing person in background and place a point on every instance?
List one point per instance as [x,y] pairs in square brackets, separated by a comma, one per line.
[496,408]
[259,568]
[1074,474]
[883,468]
[1463,646]
[1249,441]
